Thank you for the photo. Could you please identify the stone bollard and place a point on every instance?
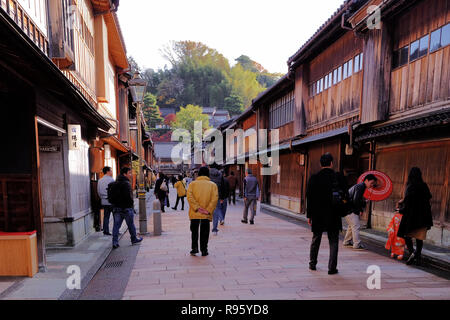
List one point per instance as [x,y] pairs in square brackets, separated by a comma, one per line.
[157,229]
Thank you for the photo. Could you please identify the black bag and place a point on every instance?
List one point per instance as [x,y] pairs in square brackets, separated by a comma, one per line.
[113,192]
[340,201]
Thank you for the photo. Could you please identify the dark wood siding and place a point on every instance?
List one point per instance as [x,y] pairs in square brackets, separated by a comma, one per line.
[318,149]
[427,79]
[342,98]
[434,161]
[291,177]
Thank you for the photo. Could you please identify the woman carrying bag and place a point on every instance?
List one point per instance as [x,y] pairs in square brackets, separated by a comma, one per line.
[181,192]
[416,210]
[161,191]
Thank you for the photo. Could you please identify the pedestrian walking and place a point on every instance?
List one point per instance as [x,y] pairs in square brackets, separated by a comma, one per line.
[251,196]
[357,206]
[233,183]
[416,210]
[217,177]
[161,189]
[322,213]
[167,200]
[188,180]
[102,189]
[202,196]
[174,180]
[226,195]
[120,195]
[181,192]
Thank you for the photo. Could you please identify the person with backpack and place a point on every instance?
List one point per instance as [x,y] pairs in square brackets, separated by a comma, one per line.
[120,195]
[161,188]
[357,205]
[217,177]
[325,195]
[181,192]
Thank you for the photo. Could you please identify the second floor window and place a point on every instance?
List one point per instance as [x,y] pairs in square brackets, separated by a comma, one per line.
[421,47]
[282,111]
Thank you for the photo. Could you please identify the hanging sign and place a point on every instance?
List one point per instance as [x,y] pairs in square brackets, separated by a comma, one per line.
[74,136]
[53,148]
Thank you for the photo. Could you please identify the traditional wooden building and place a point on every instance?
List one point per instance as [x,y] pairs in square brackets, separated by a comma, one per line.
[65,94]
[48,122]
[240,146]
[375,94]
[405,112]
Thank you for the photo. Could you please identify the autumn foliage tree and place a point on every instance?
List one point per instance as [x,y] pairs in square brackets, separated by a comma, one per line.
[169,119]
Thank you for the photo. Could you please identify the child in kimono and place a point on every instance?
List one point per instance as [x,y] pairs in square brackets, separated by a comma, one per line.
[394,243]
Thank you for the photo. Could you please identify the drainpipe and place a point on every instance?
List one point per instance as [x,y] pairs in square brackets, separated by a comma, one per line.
[371,167]
[343,26]
[113,7]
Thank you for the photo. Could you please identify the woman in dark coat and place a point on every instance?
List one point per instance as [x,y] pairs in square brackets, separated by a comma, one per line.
[416,210]
[159,193]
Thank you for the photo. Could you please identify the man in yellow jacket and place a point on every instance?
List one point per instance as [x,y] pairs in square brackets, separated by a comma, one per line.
[202,195]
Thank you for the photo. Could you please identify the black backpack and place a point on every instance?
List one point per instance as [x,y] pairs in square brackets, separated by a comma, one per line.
[113,192]
[339,199]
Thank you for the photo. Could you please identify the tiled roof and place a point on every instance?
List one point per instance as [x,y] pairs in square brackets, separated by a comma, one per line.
[440,117]
[275,86]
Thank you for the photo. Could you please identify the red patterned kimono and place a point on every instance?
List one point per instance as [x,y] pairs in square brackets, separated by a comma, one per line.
[394,243]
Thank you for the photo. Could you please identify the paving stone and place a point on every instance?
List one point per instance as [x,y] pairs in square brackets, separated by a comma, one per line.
[266,261]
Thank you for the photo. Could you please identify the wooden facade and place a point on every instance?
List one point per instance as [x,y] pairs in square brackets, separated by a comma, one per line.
[44,186]
[376,98]
[426,79]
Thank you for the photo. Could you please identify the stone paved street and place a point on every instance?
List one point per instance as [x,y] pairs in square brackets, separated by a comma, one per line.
[265,261]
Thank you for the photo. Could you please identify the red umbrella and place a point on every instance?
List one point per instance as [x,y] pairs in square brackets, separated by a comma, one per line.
[383,188]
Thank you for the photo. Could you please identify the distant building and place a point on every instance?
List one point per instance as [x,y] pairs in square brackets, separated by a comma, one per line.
[163,158]
[216,116]
[167,110]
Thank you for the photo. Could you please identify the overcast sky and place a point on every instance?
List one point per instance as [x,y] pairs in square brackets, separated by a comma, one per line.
[267,31]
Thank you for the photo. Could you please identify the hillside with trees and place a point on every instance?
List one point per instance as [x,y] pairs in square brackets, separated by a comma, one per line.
[203,77]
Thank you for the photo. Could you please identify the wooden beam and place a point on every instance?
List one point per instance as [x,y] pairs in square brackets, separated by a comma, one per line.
[377,74]
[301,100]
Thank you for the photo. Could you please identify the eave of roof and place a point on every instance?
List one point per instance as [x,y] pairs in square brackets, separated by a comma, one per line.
[325,31]
[273,89]
[436,118]
[116,42]
[30,49]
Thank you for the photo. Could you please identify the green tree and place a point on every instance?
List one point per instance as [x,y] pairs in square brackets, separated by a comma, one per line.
[244,84]
[249,64]
[186,118]
[151,112]
[196,53]
[234,104]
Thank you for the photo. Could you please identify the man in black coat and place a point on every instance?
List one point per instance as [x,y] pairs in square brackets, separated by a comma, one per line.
[321,214]
[123,206]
